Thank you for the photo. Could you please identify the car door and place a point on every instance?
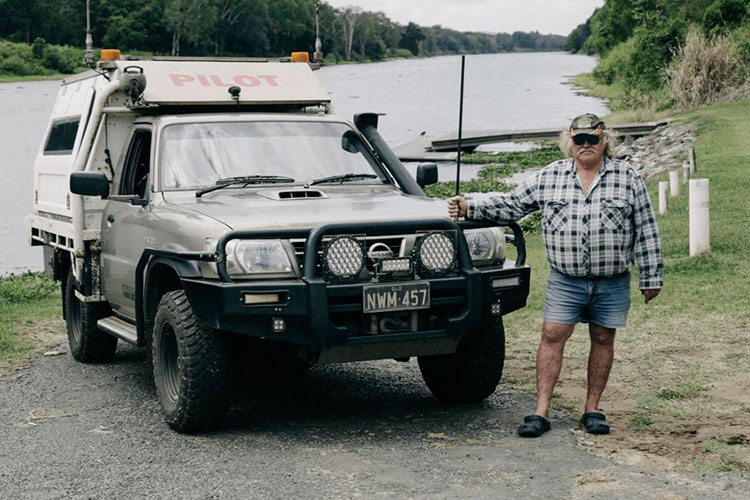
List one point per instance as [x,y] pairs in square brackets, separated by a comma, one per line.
[124,225]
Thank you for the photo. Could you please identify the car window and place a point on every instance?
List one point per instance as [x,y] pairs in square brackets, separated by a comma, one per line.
[137,165]
[196,155]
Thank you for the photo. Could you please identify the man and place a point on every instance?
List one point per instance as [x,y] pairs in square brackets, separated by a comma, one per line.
[596,218]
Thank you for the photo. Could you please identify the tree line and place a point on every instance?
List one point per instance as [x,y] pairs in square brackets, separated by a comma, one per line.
[246,28]
[643,44]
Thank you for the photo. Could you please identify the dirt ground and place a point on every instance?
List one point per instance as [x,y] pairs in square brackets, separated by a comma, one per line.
[678,397]
[677,402]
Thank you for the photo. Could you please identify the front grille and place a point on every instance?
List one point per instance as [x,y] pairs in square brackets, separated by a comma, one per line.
[397,245]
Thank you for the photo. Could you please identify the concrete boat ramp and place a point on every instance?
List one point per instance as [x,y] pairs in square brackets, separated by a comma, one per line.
[444,148]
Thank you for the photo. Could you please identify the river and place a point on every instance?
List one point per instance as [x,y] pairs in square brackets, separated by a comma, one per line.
[502,91]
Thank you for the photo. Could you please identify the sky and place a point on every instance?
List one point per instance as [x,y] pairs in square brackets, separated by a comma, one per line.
[559,17]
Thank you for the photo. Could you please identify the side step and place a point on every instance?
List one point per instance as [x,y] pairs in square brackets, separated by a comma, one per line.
[119,328]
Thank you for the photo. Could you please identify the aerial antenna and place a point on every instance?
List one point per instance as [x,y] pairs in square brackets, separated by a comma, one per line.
[460,127]
[88,54]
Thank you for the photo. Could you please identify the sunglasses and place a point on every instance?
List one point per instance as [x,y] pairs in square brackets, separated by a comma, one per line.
[580,139]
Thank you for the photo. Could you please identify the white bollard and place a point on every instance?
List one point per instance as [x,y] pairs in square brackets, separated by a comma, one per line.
[699,220]
[663,187]
[674,183]
[685,174]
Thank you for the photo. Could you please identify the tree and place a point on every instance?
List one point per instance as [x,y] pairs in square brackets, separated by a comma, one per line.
[349,18]
[190,21]
[412,36]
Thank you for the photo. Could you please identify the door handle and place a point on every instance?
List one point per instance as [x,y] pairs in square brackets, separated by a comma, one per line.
[110,218]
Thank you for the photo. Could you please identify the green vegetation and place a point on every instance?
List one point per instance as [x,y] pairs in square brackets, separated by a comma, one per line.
[29,313]
[238,28]
[640,422]
[668,53]
[532,158]
[682,392]
[39,59]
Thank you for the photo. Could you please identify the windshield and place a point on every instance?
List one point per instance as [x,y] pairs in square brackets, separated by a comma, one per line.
[197,155]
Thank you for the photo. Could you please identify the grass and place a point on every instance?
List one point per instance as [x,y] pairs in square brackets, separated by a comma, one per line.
[640,422]
[29,314]
[681,392]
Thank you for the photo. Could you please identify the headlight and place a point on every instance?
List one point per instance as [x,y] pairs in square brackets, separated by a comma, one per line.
[486,246]
[255,257]
[261,256]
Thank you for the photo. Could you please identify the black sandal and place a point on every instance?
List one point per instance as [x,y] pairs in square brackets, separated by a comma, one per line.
[595,423]
[533,426]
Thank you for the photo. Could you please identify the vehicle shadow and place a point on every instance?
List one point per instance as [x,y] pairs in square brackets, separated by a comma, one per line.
[352,401]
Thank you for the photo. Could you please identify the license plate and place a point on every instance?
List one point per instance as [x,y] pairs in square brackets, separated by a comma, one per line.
[404,296]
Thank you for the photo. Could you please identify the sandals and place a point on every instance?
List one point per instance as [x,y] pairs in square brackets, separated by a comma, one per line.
[533,426]
[595,423]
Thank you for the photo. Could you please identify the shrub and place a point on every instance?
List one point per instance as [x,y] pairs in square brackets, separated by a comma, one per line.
[26,287]
[615,65]
[62,59]
[724,15]
[703,71]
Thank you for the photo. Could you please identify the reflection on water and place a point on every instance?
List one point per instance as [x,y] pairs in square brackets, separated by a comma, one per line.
[502,91]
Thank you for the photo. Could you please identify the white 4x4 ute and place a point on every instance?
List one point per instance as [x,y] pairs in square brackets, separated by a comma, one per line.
[217,213]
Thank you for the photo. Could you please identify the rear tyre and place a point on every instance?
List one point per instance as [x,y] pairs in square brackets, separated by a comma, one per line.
[87,343]
[471,373]
[191,367]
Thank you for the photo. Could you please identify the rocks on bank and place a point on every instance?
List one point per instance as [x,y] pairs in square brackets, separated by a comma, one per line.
[662,151]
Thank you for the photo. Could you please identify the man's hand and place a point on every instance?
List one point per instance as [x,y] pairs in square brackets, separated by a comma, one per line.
[457,207]
[649,294]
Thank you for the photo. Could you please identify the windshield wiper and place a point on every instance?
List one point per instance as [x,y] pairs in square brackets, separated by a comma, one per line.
[245,180]
[342,178]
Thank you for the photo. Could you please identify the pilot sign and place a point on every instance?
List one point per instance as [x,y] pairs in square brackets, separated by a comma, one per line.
[396,297]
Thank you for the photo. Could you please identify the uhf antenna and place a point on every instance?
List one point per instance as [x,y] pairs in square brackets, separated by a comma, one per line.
[460,127]
[88,54]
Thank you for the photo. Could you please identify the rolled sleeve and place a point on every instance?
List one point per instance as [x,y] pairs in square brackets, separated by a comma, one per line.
[648,252]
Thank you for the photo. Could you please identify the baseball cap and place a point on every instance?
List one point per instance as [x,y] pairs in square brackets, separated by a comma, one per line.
[586,123]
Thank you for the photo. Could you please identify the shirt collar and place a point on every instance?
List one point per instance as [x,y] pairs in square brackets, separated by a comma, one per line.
[606,166]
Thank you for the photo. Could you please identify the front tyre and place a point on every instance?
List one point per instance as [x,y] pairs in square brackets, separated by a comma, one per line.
[87,343]
[471,373]
[191,367]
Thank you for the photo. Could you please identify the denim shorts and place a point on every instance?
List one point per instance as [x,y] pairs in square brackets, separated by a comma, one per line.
[602,301]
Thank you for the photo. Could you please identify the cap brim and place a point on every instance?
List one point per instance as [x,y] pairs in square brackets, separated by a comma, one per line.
[576,131]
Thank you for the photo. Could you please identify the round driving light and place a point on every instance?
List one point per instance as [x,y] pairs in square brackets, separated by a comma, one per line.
[435,254]
[343,258]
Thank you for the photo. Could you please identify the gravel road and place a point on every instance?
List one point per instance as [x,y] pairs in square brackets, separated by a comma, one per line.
[364,430]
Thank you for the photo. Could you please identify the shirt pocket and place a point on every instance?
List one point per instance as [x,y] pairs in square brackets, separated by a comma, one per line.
[615,214]
[556,215]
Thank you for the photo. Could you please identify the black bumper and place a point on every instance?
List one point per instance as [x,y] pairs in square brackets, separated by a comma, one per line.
[319,314]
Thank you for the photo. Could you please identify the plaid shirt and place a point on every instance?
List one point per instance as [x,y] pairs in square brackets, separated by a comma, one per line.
[594,235]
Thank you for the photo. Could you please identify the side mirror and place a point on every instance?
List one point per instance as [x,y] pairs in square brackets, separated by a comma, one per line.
[350,142]
[427,173]
[89,184]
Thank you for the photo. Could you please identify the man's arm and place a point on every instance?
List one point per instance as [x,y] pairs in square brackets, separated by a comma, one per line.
[648,254]
[508,207]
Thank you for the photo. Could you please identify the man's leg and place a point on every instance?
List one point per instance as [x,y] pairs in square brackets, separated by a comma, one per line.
[600,363]
[549,362]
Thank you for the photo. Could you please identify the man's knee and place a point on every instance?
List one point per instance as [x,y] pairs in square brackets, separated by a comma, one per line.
[601,335]
[554,333]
